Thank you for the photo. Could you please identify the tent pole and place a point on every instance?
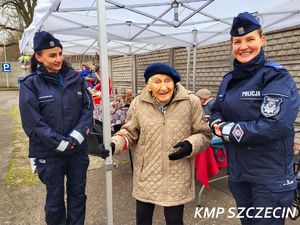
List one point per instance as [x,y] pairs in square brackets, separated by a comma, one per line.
[132,72]
[194,32]
[188,67]
[194,68]
[133,75]
[102,44]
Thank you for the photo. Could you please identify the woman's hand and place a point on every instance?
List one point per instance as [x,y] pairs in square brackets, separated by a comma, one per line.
[217,130]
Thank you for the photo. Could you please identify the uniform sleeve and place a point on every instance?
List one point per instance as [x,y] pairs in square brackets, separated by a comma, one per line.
[85,122]
[34,123]
[279,110]
[216,115]
[201,134]
[130,130]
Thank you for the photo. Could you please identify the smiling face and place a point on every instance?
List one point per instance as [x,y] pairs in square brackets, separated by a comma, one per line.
[51,58]
[162,86]
[246,47]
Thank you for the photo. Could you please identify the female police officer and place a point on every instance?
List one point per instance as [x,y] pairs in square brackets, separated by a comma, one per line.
[254,112]
[56,113]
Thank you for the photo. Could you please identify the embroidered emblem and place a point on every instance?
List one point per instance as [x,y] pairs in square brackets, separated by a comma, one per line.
[241,30]
[251,94]
[51,43]
[238,133]
[79,93]
[270,106]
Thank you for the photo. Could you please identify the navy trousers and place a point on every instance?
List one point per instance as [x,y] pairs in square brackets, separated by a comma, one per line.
[261,202]
[52,172]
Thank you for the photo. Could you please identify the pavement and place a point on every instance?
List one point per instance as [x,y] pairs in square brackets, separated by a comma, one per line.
[22,198]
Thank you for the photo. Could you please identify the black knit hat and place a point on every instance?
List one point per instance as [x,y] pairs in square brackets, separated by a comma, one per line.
[45,40]
[243,24]
[161,68]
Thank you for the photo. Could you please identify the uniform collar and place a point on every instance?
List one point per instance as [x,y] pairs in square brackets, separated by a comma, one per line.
[243,70]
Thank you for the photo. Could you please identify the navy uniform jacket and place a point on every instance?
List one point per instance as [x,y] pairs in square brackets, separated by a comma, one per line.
[261,99]
[52,112]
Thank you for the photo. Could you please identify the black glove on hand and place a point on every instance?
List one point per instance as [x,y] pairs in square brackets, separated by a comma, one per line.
[73,142]
[186,149]
[104,153]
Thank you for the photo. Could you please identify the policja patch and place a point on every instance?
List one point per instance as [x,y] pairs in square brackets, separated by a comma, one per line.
[270,106]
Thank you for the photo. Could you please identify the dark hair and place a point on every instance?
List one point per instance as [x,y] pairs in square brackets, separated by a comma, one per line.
[86,66]
[33,61]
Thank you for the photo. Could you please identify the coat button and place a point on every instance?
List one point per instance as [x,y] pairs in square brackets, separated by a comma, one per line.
[249,148]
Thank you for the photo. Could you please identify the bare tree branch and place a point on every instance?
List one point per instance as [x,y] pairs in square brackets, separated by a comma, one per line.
[23,8]
[2,26]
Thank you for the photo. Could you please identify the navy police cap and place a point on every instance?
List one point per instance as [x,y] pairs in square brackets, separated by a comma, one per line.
[243,24]
[44,40]
[161,68]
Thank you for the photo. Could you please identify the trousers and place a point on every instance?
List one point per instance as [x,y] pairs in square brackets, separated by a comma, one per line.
[260,205]
[52,172]
[144,214]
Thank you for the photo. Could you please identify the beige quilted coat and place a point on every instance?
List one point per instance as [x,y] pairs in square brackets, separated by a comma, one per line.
[157,179]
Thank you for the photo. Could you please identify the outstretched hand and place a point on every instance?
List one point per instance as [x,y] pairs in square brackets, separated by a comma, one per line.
[186,149]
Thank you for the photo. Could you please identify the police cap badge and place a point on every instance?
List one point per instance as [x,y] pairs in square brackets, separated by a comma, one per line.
[243,24]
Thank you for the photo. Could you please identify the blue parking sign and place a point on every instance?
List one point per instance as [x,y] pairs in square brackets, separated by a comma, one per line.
[6,67]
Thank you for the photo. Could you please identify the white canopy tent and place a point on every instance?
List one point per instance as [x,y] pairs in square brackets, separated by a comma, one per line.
[130,27]
[134,27]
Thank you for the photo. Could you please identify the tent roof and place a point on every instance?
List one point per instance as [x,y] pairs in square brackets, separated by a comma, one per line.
[135,27]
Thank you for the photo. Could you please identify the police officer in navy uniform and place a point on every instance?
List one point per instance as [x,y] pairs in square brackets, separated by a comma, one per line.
[56,113]
[254,113]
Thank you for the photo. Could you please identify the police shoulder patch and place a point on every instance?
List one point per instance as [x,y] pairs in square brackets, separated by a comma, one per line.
[27,76]
[270,106]
[274,65]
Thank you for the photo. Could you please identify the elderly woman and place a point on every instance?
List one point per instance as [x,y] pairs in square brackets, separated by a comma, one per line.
[165,123]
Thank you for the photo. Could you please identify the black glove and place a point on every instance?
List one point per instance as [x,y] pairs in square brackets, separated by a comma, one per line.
[73,142]
[104,153]
[186,149]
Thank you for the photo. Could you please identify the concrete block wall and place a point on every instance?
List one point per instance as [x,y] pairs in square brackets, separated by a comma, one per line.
[122,75]
[214,61]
